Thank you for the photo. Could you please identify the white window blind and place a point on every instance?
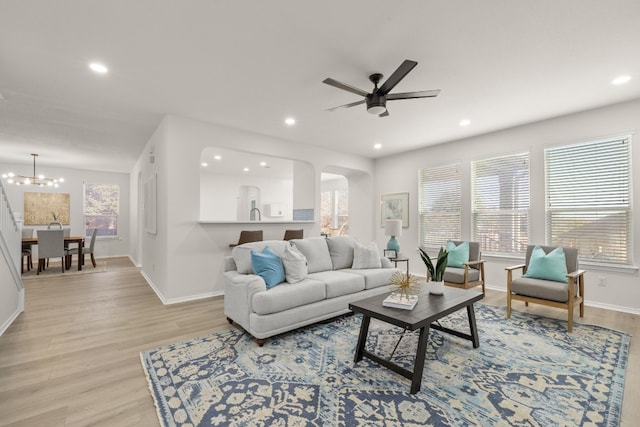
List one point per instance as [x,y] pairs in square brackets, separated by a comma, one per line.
[500,203]
[588,195]
[439,200]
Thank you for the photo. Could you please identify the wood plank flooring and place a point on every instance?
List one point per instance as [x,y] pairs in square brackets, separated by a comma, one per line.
[72,358]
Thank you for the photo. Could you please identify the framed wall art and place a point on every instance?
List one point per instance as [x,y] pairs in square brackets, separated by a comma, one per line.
[395,206]
[44,208]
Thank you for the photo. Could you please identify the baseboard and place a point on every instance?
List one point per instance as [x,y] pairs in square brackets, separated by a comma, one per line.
[587,303]
[10,320]
[169,301]
[134,262]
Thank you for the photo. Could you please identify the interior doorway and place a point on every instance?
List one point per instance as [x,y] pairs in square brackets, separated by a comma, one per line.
[334,204]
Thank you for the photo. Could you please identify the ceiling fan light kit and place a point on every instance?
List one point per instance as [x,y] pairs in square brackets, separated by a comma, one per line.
[376,101]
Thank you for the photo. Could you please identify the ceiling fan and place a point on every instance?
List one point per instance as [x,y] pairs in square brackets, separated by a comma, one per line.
[377,100]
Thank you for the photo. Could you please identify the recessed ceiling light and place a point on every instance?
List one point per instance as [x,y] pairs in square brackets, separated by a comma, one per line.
[465,122]
[246,169]
[263,164]
[377,146]
[217,157]
[620,80]
[98,67]
[290,121]
[204,164]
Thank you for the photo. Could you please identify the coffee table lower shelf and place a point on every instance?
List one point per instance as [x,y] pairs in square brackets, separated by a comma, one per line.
[429,309]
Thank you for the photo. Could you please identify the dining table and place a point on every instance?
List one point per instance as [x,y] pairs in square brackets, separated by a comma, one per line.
[68,239]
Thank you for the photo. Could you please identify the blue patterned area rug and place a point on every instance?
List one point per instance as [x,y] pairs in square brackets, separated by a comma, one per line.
[528,371]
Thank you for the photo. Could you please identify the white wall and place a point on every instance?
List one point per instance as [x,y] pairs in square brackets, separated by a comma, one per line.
[185,259]
[400,174]
[73,185]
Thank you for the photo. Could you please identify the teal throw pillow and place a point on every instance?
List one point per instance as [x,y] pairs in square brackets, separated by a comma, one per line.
[268,265]
[551,266]
[458,255]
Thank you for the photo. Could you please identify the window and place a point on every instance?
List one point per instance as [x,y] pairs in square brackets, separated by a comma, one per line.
[500,203]
[101,207]
[439,205]
[334,205]
[588,199]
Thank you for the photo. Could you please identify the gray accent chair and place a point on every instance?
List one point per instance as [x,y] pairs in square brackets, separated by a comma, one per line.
[473,272]
[547,292]
[50,245]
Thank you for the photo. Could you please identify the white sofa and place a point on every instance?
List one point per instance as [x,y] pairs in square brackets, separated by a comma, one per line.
[329,286]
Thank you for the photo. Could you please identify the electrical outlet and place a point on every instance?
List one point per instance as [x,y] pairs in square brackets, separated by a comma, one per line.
[602,281]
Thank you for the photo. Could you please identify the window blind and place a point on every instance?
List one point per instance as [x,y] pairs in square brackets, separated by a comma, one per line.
[500,203]
[439,205]
[588,199]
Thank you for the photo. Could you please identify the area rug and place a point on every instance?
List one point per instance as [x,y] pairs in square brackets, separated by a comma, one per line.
[528,371]
[54,269]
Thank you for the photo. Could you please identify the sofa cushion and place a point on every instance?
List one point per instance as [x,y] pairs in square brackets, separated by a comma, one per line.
[551,266]
[374,277]
[458,255]
[268,265]
[341,251]
[544,289]
[339,283]
[366,256]
[287,295]
[242,254]
[316,251]
[295,264]
[456,275]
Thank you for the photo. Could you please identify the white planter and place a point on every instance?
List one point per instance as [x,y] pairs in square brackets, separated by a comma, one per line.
[436,288]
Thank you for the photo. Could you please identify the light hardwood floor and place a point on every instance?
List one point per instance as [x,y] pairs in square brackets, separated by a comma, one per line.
[72,358]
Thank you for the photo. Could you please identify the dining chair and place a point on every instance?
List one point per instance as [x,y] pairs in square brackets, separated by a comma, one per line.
[50,245]
[90,250]
[54,225]
[27,248]
[293,234]
[247,237]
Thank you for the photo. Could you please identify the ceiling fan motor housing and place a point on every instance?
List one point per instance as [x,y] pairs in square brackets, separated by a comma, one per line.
[376,104]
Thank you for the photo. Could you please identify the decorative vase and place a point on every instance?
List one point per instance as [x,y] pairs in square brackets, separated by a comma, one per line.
[436,288]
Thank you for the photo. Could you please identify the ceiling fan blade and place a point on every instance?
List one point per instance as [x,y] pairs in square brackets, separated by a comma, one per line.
[410,95]
[353,104]
[385,114]
[397,75]
[344,86]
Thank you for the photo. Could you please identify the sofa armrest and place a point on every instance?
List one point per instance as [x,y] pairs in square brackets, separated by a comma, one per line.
[238,294]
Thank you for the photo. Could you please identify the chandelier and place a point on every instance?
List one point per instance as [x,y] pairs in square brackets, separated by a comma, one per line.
[37,180]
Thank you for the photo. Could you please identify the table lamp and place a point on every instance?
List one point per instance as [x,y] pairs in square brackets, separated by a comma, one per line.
[393,228]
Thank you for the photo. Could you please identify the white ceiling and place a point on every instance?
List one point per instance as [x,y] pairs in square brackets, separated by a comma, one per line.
[250,64]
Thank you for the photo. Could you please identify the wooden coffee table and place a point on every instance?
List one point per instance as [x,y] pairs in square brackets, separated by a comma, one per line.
[429,309]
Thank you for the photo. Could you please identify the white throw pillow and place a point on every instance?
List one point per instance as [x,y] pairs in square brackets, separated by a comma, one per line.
[295,264]
[366,256]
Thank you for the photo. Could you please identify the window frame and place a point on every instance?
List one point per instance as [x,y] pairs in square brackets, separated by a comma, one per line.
[449,177]
[599,176]
[512,219]
[106,215]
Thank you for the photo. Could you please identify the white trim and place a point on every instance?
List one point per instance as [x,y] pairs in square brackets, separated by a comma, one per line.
[14,316]
[166,301]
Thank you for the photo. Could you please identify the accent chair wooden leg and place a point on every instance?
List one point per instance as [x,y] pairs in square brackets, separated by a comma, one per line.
[260,341]
[508,304]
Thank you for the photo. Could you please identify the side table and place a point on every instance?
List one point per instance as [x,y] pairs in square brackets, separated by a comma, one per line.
[397,260]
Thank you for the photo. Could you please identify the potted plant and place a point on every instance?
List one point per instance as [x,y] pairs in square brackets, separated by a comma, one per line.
[435,274]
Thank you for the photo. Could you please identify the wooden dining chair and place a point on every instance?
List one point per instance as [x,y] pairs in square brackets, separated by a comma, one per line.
[90,250]
[248,236]
[293,234]
[50,245]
